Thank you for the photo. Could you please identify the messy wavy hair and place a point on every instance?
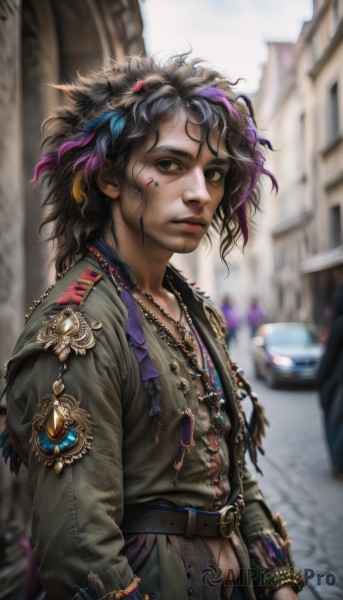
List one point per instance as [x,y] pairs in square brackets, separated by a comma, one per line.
[110,112]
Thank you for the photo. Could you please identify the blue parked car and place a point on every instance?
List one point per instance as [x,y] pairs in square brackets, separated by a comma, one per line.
[286,352]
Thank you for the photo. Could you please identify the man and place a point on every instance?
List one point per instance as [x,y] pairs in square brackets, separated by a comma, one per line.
[330,385]
[122,399]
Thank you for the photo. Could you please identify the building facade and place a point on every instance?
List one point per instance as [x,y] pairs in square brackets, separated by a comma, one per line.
[300,104]
[323,268]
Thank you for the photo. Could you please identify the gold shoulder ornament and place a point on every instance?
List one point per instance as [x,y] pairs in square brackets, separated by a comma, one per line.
[67,331]
[61,429]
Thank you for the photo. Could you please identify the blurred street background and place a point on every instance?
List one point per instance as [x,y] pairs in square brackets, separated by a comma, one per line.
[290,55]
[297,478]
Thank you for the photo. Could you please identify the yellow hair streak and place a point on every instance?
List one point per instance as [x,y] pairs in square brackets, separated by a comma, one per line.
[78,191]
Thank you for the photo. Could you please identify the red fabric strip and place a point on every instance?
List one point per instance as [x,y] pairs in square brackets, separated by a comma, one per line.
[76,290]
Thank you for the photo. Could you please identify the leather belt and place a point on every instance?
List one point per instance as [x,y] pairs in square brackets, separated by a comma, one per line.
[140,518]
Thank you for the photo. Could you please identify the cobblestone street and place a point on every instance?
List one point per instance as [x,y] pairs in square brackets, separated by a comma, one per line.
[298,482]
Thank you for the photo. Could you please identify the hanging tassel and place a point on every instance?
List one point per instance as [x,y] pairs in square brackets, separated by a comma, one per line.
[153,388]
[187,429]
[187,441]
[258,421]
[255,428]
[178,463]
[277,552]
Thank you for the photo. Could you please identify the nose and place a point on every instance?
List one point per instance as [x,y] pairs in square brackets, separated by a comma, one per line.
[195,189]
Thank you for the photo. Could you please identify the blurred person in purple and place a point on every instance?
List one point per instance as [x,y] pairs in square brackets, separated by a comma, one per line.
[232,318]
[255,316]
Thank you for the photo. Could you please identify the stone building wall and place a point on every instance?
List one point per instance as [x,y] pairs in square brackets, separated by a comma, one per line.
[41,42]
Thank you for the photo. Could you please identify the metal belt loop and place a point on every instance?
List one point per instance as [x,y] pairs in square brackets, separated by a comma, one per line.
[191,522]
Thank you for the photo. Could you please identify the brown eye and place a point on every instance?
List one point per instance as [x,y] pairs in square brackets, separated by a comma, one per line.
[214,175]
[167,164]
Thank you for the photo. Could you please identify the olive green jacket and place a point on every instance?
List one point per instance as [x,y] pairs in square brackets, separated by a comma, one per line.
[77,513]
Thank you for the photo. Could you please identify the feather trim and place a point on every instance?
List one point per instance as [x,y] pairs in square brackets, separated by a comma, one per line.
[96,590]
[8,451]
[255,428]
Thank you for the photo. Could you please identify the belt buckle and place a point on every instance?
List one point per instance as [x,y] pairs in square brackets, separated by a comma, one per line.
[228,520]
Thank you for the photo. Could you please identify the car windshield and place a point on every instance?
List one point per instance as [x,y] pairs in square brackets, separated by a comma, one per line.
[291,336]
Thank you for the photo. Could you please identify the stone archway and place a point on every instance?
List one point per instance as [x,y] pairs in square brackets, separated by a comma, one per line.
[59,38]
[41,41]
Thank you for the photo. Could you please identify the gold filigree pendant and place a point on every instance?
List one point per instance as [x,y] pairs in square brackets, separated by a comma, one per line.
[61,431]
[67,331]
[188,340]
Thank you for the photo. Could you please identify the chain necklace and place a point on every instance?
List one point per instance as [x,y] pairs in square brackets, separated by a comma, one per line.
[186,344]
[211,397]
[187,337]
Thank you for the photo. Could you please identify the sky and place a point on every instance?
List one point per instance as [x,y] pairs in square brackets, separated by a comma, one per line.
[229,34]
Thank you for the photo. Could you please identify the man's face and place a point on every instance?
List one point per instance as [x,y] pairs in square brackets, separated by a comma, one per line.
[176,187]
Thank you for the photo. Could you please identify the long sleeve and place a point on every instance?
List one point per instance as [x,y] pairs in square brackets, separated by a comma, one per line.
[76,514]
[267,542]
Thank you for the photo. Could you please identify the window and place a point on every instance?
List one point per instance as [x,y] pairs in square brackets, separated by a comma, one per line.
[280,297]
[333,111]
[336,226]
[302,145]
[291,335]
[336,12]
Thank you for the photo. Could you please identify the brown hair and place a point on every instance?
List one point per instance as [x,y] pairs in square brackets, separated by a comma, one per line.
[112,110]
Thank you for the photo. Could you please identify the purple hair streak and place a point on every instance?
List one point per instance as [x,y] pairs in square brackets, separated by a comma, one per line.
[94,162]
[255,166]
[241,211]
[256,170]
[95,159]
[74,144]
[48,162]
[251,131]
[111,124]
[218,95]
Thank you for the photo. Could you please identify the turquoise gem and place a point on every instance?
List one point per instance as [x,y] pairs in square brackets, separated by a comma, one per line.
[68,440]
[45,443]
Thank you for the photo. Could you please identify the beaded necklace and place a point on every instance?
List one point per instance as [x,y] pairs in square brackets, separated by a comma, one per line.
[186,344]
[187,337]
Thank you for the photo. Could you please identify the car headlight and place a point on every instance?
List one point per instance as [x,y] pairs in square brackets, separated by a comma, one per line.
[282,361]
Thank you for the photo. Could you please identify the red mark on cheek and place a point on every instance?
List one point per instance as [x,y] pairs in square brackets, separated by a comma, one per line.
[150,182]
